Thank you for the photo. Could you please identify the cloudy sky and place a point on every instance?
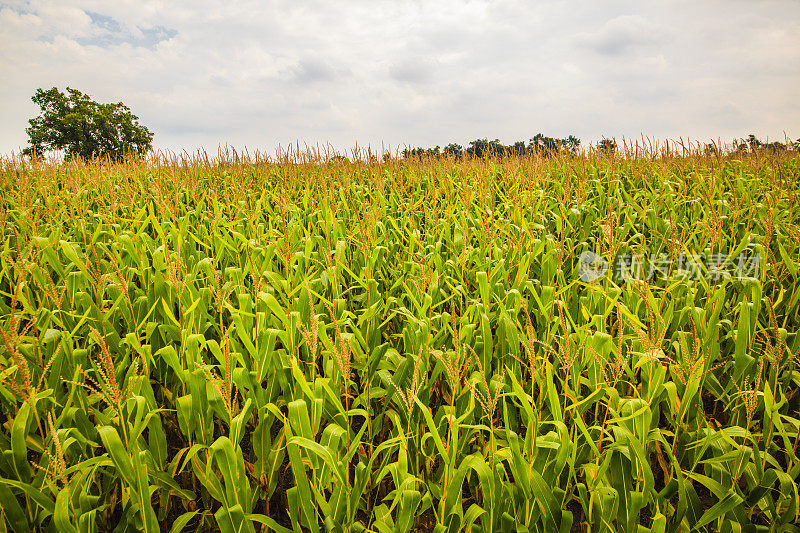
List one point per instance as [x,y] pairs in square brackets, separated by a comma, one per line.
[422,72]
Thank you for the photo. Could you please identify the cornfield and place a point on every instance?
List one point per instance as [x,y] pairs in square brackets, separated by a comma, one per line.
[297,344]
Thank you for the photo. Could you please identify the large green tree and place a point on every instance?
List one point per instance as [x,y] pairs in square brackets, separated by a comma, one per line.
[78,126]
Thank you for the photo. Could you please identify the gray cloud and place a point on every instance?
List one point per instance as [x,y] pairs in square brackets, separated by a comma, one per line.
[311,70]
[412,70]
[622,35]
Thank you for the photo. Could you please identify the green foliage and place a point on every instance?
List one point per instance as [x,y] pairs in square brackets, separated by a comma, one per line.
[607,146]
[399,345]
[80,127]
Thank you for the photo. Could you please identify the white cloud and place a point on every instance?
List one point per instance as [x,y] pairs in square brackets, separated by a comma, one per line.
[262,73]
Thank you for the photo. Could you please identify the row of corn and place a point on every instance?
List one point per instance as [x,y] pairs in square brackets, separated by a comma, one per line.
[242,346]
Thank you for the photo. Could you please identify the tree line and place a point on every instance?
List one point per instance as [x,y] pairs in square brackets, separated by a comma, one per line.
[754,144]
[538,144]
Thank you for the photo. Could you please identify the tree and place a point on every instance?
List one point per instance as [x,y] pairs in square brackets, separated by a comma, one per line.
[607,146]
[80,127]
[484,148]
[550,146]
[454,150]
[544,145]
[573,143]
[517,149]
